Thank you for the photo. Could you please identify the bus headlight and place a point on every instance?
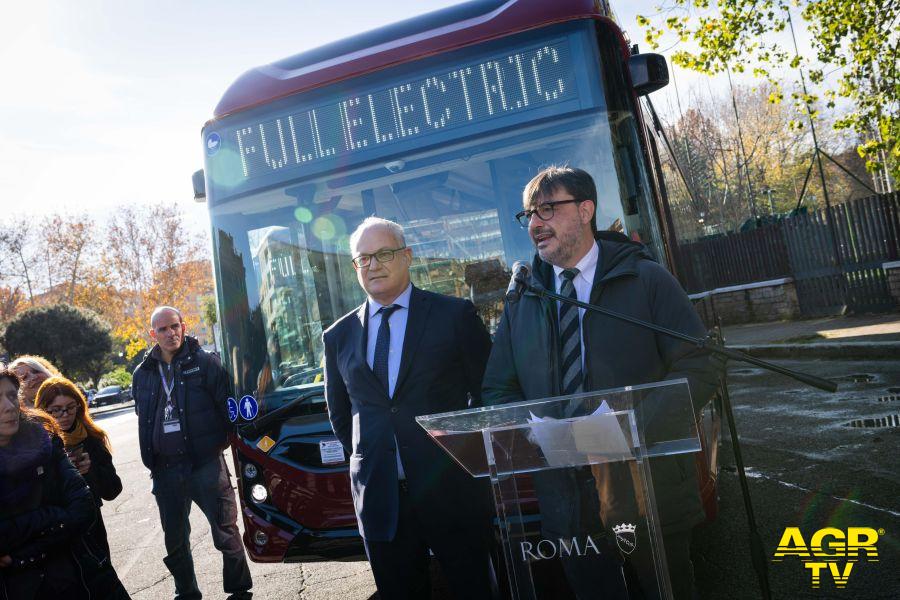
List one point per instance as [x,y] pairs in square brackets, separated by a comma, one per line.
[260,538]
[259,493]
[250,471]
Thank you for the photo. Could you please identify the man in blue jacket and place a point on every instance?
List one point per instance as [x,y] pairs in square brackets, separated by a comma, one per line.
[543,348]
[180,396]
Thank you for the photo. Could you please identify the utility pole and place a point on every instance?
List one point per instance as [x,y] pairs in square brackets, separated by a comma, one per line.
[829,219]
[812,123]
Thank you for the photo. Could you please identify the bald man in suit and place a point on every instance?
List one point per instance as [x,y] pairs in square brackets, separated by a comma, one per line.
[407,352]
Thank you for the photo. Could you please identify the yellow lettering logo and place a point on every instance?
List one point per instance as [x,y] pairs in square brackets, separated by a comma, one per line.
[827,548]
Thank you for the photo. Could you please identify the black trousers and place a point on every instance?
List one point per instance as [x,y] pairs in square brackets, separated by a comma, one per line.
[209,487]
[400,566]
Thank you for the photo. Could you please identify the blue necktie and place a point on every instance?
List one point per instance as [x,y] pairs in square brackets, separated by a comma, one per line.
[383,347]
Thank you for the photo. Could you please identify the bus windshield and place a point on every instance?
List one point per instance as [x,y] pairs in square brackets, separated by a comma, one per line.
[282,254]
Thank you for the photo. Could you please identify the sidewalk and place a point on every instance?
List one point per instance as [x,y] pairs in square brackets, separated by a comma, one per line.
[864,336]
[99,410]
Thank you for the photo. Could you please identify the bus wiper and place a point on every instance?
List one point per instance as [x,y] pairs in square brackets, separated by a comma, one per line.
[252,430]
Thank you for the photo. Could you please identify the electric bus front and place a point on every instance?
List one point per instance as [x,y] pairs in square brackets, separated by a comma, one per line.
[436,123]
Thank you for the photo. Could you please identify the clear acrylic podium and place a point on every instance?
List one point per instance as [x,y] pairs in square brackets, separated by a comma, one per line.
[573,485]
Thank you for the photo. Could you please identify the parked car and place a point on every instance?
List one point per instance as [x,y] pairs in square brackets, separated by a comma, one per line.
[304,377]
[113,394]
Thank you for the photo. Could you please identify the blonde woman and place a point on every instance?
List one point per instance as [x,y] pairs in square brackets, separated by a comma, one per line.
[32,372]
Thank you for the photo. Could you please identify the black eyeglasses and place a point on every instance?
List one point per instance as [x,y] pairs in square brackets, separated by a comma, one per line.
[543,211]
[56,411]
[364,260]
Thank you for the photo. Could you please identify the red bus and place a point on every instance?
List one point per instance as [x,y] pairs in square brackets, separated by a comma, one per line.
[437,123]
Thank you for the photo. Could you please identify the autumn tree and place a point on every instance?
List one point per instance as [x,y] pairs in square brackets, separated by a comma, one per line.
[152,259]
[19,257]
[723,163]
[148,257]
[68,243]
[857,38]
[12,300]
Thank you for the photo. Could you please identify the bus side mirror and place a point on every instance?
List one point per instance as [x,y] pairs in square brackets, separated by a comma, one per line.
[649,73]
[199,186]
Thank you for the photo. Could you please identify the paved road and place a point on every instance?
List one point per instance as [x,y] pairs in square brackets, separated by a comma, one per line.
[137,547]
[807,469]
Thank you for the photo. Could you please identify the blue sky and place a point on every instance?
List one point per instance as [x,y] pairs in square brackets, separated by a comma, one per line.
[104,100]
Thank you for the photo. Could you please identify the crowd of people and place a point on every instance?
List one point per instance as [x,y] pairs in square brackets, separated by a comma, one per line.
[56,470]
[404,352]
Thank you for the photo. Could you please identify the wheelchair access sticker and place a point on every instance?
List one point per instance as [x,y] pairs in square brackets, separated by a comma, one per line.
[232,410]
[249,408]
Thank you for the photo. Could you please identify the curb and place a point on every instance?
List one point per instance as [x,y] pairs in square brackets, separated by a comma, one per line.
[111,407]
[866,350]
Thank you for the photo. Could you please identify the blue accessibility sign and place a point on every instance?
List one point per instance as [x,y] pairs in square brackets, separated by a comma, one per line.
[249,408]
[232,410]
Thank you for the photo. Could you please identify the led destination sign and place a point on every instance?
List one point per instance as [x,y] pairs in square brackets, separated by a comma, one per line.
[421,109]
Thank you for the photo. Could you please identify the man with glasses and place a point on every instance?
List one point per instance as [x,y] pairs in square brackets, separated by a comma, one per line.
[180,394]
[589,351]
[407,352]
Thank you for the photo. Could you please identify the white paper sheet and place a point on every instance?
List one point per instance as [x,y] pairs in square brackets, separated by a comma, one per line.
[566,442]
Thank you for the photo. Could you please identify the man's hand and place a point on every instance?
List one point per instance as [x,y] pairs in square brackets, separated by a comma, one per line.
[5,561]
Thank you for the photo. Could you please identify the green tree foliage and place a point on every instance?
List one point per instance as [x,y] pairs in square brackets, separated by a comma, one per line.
[76,340]
[118,376]
[860,39]
[209,313]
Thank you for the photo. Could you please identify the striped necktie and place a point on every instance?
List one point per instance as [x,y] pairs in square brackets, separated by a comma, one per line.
[570,337]
[383,346]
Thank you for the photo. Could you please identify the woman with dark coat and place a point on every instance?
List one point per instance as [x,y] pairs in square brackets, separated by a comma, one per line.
[45,505]
[86,444]
[88,447]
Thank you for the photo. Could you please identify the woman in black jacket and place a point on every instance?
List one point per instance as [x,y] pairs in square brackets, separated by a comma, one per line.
[86,444]
[45,506]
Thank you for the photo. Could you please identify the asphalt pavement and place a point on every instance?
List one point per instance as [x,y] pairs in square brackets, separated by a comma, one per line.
[812,462]
[136,540]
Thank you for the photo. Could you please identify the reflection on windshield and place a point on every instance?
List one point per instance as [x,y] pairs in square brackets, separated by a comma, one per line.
[283,254]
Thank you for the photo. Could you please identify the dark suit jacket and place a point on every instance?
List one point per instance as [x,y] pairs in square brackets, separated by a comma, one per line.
[445,349]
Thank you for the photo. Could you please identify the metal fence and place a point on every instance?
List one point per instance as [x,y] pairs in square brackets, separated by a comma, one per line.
[835,256]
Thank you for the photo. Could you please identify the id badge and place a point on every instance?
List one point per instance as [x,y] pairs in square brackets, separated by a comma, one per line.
[171,424]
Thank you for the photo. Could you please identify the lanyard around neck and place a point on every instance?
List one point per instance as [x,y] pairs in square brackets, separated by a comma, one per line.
[167,387]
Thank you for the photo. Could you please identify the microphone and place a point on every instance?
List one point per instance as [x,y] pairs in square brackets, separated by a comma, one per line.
[517,282]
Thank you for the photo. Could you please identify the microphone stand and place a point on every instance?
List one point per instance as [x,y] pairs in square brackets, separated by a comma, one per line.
[757,552]
[704,343]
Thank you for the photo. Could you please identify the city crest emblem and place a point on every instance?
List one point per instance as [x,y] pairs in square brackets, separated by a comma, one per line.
[625,538]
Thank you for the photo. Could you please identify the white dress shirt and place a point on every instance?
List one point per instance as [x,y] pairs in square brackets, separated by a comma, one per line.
[398,321]
[583,283]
